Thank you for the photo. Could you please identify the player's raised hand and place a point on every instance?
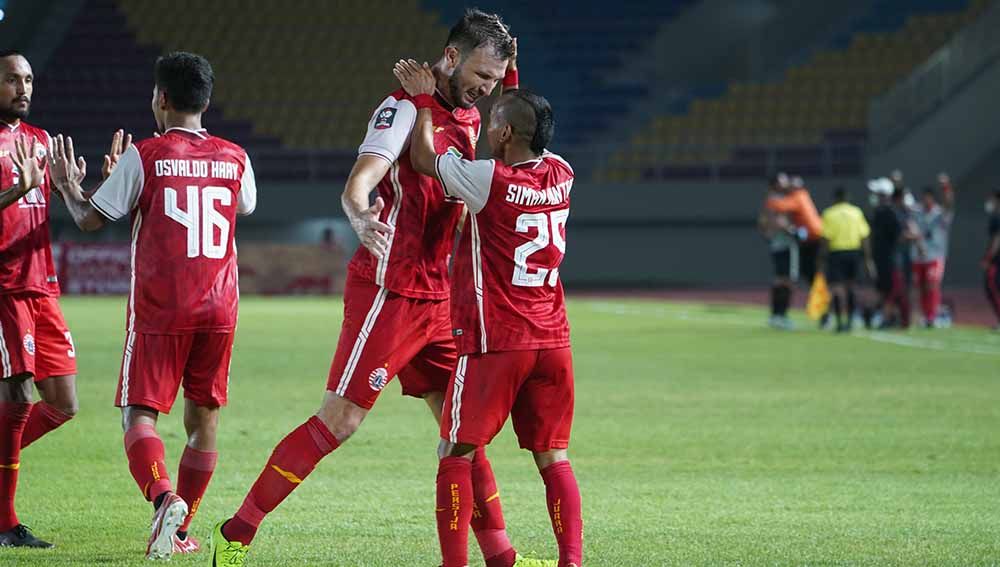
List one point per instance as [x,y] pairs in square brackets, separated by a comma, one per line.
[68,171]
[416,79]
[512,62]
[31,169]
[373,233]
[120,142]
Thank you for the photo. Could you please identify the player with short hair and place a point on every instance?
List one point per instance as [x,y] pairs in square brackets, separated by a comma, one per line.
[396,308]
[183,190]
[508,312]
[930,251]
[35,343]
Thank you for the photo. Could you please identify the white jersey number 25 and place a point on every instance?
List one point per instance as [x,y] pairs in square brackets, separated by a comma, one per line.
[523,274]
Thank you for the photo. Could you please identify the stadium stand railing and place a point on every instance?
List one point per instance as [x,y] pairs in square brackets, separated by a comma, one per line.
[971,50]
[812,122]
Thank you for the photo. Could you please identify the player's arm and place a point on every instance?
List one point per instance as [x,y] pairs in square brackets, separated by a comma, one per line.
[510,78]
[68,172]
[113,199]
[246,199]
[947,192]
[388,133]
[368,170]
[31,170]
[464,179]
[784,204]
[866,245]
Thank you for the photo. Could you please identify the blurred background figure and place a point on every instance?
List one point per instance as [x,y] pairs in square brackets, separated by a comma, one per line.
[845,243]
[991,261]
[930,250]
[795,202]
[887,234]
[783,244]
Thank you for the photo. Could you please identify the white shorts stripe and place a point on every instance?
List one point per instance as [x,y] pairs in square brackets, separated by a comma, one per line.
[456,398]
[127,366]
[477,278]
[359,343]
[7,365]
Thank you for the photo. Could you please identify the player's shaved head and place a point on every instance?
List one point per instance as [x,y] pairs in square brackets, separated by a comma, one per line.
[478,29]
[186,80]
[16,86]
[529,116]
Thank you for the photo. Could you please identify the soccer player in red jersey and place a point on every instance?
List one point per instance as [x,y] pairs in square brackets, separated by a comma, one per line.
[35,343]
[183,190]
[508,311]
[396,308]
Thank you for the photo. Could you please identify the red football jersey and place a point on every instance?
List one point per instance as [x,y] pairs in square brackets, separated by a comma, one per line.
[25,245]
[506,293]
[183,190]
[416,264]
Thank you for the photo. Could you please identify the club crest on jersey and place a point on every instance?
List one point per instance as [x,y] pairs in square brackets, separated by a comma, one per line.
[40,151]
[384,118]
[454,151]
[29,344]
[378,379]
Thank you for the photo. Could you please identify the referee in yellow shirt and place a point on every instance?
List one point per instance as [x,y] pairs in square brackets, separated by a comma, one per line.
[845,243]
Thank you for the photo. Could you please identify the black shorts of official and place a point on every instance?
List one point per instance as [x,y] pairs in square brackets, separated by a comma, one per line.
[786,263]
[883,277]
[843,266]
[808,255]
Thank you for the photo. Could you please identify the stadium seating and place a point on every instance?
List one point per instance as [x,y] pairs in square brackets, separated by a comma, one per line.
[813,121]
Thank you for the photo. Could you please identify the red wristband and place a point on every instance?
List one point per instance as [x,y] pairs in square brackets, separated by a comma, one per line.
[424,101]
[511,79]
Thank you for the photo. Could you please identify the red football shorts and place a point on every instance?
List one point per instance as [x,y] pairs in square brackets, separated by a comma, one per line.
[929,273]
[386,334]
[534,387]
[155,366]
[34,338]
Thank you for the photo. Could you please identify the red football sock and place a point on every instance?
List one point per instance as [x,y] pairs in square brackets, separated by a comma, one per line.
[487,515]
[933,302]
[927,303]
[563,497]
[193,475]
[145,453]
[454,509]
[43,418]
[291,462]
[13,418]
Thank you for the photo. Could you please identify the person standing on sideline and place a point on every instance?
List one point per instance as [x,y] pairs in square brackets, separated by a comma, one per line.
[783,245]
[796,202]
[930,251]
[845,237]
[991,261]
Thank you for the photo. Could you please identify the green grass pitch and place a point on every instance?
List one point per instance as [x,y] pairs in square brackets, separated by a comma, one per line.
[701,438]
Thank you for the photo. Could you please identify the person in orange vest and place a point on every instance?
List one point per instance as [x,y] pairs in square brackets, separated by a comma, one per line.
[795,202]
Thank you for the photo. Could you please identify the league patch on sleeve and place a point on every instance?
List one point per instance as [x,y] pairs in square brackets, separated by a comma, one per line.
[384,119]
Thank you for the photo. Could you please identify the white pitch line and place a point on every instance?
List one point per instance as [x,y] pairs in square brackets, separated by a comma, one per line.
[880,337]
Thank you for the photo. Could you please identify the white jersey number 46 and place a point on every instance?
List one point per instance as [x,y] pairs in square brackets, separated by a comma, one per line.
[523,275]
[201,219]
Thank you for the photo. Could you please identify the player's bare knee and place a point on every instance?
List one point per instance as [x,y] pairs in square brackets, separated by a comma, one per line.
[16,388]
[201,424]
[60,393]
[544,459]
[448,449]
[341,416]
[138,415]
